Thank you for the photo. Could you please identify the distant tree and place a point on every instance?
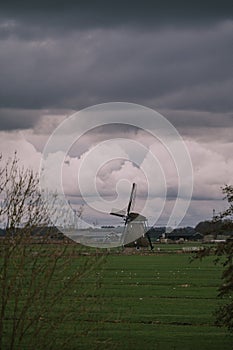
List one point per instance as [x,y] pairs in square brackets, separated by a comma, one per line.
[224,254]
[218,225]
[209,227]
[228,213]
[35,278]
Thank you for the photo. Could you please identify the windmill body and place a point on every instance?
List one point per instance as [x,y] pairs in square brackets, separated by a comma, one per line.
[135,223]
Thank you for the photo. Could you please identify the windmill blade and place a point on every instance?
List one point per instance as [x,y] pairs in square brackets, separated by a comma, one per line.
[116,212]
[132,197]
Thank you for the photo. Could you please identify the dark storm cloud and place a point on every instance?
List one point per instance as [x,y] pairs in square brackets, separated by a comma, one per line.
[17,118]
[12,119]
[199,119]
[168,56]
[166,69]
[180,69]
[85,14]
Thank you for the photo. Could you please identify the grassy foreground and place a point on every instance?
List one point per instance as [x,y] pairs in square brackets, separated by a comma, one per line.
[159,301]
[162,302]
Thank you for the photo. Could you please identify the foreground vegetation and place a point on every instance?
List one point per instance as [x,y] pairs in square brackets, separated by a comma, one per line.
[156,301]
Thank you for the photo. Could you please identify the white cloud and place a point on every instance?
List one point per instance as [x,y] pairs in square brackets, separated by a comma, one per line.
[212,168]
[212,164]
[11,142]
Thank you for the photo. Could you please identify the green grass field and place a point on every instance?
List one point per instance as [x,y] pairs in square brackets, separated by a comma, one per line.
[157,301]
[161,302]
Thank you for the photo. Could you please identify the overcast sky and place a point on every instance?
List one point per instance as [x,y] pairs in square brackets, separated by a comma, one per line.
[58,57]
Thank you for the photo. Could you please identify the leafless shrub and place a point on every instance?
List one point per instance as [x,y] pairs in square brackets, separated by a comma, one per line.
[38,281]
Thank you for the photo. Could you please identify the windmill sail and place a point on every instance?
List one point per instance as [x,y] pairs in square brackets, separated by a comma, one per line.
[132,198]
[117,212]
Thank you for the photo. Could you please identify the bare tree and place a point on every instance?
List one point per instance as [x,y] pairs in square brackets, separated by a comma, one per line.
[35,278]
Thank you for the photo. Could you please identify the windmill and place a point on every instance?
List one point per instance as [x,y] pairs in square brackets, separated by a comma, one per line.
[135,223]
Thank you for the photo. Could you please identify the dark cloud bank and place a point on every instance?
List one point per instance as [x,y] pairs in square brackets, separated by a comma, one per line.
[174,57]
[86,14]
